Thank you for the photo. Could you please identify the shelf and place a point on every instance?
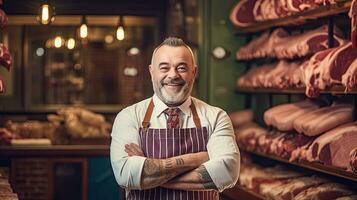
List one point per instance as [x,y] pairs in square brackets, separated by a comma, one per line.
[330,170]
[55,150]
[341,6]
[239,192]
[336,90]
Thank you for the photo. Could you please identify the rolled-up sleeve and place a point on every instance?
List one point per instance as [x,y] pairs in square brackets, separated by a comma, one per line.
[224,163]
[127,170]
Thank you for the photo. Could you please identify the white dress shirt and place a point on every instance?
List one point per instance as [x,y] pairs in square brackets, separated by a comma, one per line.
[224,157]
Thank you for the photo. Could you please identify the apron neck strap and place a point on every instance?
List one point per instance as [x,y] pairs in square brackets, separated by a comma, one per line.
[196,119]
[147,117]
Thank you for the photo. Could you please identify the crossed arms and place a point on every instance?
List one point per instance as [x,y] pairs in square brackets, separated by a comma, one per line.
[184,172]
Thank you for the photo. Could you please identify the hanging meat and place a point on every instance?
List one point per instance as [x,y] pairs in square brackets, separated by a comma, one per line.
[242,13]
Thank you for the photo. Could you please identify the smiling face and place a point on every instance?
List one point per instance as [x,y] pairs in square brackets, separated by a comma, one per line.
[173,74]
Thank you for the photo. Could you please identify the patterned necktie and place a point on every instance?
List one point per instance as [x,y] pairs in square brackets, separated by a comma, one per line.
[173,119]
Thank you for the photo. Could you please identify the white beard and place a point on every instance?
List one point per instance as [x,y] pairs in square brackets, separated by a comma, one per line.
[173,99]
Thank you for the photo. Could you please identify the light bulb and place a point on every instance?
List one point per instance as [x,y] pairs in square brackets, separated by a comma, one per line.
[58,41]
[83,31]
[46,14]
[71,43]
[120,33]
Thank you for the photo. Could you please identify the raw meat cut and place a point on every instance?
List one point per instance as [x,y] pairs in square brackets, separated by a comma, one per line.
[353,160]
[351,197]
[285,114]
[262,46]
[325,191]
[5,57]
[248,135]
[289,190]
[255,76]
[241,117]
[307,43]
[349,79]
[3,19]
[311,72]
[242,13]
[321,120]
[2,86]
[336,64]
[353,15]
[333,147]
[283,108]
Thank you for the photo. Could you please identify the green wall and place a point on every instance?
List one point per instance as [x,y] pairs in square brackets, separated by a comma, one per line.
[218,77]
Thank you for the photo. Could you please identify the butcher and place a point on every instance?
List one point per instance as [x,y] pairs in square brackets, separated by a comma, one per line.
[172,145]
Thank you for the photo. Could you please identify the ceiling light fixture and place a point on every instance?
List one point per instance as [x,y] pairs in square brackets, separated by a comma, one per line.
[120,30]
[83,30]
[46,14]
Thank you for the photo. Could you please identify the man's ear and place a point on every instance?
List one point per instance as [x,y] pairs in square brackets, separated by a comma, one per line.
[195,70]
[150,69]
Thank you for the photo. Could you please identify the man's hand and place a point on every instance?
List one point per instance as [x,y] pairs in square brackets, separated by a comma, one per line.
[134,150]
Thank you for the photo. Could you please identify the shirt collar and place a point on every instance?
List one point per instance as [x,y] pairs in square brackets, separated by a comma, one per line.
[161,106]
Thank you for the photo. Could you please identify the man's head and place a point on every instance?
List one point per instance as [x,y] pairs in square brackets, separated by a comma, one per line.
[173,71]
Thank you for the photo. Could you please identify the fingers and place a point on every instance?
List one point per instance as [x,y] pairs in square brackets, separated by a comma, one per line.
[133,150]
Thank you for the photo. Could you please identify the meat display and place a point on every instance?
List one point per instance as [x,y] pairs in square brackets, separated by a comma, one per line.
[312,70]
[241,117]
[242,13]
[279,44]
[307,43]
[5,57]
[350,197]
[6,136]
[283,116]
[336,64]
[293,187]
[323,119]
[247,12]
[349,79]
[353,160]
[3,19]
[34,130]
[262,46]
[81,123]
[255,76]
[247,135]
[279,75]
[2,86]
[334,147]
[286,145]
[6,192]
[325,191]
[279,183]
[353,15]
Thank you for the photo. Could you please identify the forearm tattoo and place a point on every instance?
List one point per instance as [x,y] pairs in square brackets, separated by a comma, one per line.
[157,171]
[205,178]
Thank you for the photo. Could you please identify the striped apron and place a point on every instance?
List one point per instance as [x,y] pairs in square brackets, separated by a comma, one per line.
[166,143]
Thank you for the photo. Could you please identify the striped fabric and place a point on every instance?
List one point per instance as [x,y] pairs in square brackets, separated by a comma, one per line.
[165,143]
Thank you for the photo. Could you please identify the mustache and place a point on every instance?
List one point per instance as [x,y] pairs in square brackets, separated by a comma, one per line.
[178,81]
